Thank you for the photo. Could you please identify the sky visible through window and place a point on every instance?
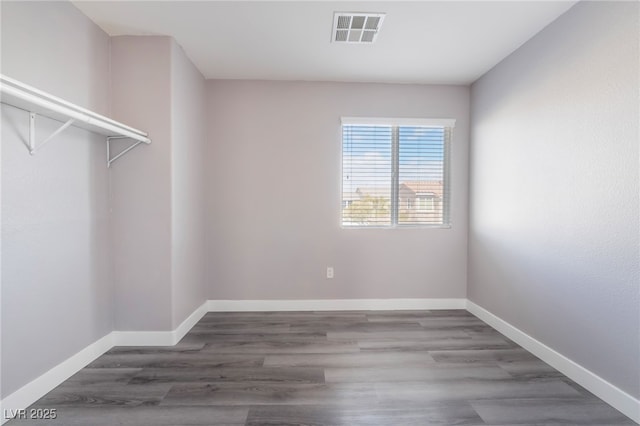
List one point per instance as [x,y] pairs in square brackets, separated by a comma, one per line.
[367,155]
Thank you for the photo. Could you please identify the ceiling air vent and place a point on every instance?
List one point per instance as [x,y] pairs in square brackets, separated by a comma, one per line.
[351,27]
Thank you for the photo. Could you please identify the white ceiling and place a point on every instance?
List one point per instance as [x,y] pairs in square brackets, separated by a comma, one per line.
[436,42]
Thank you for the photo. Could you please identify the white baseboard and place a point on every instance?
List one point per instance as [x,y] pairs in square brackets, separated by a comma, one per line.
[159,338]
[188,323]
[617,398]
[333,305]
[40,386]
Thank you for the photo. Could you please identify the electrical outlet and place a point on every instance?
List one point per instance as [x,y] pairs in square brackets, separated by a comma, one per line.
[329,272]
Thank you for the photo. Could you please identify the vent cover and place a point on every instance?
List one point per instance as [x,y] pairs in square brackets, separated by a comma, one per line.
[351,27]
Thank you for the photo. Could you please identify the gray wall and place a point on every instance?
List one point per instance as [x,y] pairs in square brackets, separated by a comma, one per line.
[141,184]
[273,188]
[157,193]
[188,119]
[56,291]
[553,241]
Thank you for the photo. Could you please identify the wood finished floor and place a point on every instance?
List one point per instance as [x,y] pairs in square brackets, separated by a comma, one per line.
[327,368]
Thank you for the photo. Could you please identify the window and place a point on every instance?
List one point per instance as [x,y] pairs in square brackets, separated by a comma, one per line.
[395,172]
[426,202]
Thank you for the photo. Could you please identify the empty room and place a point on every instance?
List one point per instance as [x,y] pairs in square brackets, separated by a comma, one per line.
[320,213]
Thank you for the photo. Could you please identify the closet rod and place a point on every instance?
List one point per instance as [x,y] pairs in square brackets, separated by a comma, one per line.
[36,101]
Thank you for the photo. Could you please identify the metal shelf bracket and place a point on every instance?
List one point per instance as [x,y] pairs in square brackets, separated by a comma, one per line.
[33,147]
[112,160]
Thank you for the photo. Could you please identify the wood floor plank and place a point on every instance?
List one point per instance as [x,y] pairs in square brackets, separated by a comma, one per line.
[280,347]
[238,328]
[351,360]
[549,411]
[529,369]
[411,373]
[398,316]
[289,375]
[398,334]
[164,360]
[482,355]
[356,327]
[178,348]
[259,394]
[90,376]
[389,344]
[472,389]
[212,336]
[434,321]
[79,395]
[323,415]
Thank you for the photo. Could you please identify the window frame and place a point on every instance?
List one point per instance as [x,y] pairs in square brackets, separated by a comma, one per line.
[447,124]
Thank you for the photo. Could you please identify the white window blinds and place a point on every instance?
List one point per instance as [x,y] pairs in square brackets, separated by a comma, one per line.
[395,174]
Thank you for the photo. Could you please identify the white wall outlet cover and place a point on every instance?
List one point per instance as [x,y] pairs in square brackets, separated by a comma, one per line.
[329,271]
